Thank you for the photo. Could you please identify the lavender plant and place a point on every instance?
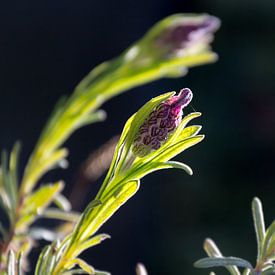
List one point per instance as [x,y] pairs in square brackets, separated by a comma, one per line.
[265,263]
[150,139]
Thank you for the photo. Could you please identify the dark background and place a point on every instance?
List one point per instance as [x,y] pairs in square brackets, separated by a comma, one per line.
[46,47]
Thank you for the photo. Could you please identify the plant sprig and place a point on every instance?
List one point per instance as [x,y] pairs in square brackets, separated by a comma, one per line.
[158,54]
[265,263]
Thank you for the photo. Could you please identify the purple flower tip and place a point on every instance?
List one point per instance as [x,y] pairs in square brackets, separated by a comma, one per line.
[183,99]
[161,123]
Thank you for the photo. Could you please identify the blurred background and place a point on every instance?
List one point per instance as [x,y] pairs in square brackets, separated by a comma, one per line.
[47,47]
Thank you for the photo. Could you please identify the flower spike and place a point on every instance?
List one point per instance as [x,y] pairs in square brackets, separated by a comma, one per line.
[161,123]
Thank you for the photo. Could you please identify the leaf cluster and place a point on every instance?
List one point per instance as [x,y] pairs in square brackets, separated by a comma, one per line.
[265,263]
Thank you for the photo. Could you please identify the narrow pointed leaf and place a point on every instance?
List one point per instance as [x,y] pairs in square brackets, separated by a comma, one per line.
[151,167]
[270,271]
[93,241]
[8,184]
[181,132]
[222,261]
[39,233]
[108,208]
[269,240]
[19,264]
[53,213]
[82,264]
[177,148]
[36,203]
[188,132]
[212,250]
[62,202]
[117,155]
[39,167]
[259,224]
[140,269]
[100,272]
[11,263]
[13,165]
[246,271]
[97,116]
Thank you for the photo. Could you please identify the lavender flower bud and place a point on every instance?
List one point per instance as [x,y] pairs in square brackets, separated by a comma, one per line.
[161,123]
[185,34]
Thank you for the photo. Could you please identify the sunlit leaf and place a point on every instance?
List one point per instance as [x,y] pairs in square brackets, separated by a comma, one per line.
[151,167]
[269,241]
[62,202]
[53,213]
[36,202]
[109,206]
[177,148]
[37,168]
[82,264]
[93,241]
[40,233]
[11,263]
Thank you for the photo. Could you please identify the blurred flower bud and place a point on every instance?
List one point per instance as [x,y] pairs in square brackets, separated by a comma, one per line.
[160,123]
[173,45]
[184,35]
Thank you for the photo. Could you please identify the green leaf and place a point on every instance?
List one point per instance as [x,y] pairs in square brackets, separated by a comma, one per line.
[38,167]
[183,133]
[9,187]
[20,264]
[151,167]
[93,218]
[269,271]
[269,241]
[109,206]
[116,157]
[62,202]
[100,272]
[93,241]
[84,219]
[11,263]
[188,132]
[13,165]
[80,271]
[36,203]
[212,250]
[82,264]
[38,267]
[140,269]
[46,260]
[39,233]
[8,183]
[53,213]
[177,148]
[222,261]
[246,271]
[97,116]
[259,225]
